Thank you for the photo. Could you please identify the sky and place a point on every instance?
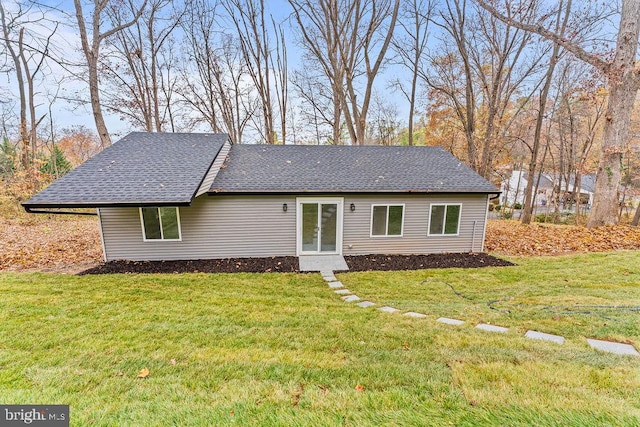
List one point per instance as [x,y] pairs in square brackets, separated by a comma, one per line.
[68,110]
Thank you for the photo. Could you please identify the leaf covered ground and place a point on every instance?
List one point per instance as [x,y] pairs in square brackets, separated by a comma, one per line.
[506,237]
[72,244]
[56,244]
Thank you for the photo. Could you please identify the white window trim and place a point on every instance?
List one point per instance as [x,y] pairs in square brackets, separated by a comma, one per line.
[161,239]
[444,219]
[387,235]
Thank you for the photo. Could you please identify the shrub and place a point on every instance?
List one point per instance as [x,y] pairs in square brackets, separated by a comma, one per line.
[517,205]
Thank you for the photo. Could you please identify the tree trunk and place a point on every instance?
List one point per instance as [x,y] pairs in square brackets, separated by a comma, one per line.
[623,87]
[96,106]
[636,217]
[615,137]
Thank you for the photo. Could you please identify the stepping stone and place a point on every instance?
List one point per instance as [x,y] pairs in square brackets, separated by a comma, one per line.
[365,304]
[387,309]
[416,315]
[534,335]
[335,285]
[351,298]
[329,278]
[491,328]
[326,273]
[342,292]
[613,347]
[448,321]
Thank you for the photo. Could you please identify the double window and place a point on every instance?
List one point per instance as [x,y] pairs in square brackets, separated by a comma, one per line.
[444,219]
[160,223]
[387,220]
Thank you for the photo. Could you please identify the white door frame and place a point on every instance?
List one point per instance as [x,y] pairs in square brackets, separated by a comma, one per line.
[339,201]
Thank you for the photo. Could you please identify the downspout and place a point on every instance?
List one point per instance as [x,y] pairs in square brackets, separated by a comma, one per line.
[104,247]
[473,236]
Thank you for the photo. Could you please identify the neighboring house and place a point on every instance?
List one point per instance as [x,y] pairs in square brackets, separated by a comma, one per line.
[513,188]
[197,196]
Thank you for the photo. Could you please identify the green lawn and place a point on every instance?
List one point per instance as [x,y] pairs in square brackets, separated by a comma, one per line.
[283,349]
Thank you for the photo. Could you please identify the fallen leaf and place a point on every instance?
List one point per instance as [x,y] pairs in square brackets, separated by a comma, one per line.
[173,362]
[360,388]
[144,373]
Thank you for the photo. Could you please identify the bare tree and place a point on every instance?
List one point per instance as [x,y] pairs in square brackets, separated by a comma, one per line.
[140,64]
[91,49]
[623,78]
[480,69]
[7,25]
[349,39]
[28,51]
[250,22]
[214,77]
[529,196]
[410,47]
[320,107]
[384,124]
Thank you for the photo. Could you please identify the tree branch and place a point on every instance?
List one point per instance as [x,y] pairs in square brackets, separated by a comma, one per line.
[568,45]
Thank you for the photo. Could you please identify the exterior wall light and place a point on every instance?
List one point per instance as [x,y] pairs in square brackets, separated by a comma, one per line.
[284,207]
[352,207]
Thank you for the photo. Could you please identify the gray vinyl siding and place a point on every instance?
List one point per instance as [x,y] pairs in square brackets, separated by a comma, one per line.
[256,226]
[215,168]
[357,225]
[212,227]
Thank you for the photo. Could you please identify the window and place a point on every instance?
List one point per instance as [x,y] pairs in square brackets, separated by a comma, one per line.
[387,220]
[160,223]
[445,219]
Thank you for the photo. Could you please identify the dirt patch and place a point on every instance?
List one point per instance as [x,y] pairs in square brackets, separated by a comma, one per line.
[290,264]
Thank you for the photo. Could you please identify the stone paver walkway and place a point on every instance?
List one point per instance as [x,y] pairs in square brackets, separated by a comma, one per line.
[322,263]
[416,315]
[447,321]
[535,335]
[492,328]
[613,347]
[606,346]
[365,304]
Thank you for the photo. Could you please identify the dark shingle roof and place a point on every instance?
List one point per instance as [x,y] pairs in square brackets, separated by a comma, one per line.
[351,169]
[140,169]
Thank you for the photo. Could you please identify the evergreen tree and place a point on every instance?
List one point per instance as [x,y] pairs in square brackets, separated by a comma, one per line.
[7,156]
[57,164]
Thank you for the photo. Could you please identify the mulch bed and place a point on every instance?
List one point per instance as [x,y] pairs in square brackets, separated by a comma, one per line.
[290,264]
[419,262]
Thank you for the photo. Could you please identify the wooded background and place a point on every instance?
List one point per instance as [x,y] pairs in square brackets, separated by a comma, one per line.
[539,86]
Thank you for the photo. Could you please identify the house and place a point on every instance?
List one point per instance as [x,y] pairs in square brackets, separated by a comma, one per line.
[513,188]
[197,196]
[548,185]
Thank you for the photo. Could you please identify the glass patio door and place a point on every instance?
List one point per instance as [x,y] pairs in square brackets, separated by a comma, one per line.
[319,224]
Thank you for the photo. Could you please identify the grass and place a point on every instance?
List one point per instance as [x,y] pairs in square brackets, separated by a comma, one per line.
[282,349]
